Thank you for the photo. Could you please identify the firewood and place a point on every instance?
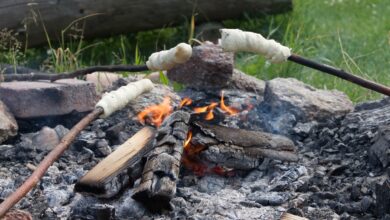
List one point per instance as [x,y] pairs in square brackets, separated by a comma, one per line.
[120,168]
[239,148]
[161,171]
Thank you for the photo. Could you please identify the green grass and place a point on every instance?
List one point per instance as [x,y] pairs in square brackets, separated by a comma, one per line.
[350,34]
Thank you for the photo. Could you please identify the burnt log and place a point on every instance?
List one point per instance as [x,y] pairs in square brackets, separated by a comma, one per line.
[121,168]
[161,171]
[106,18]
[239,148]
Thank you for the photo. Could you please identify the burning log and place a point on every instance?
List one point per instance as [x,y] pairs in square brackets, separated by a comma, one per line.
[120,168]
[239,148]
[161,171]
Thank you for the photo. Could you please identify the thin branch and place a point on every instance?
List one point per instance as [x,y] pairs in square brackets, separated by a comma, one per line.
[53,77]
[341,74]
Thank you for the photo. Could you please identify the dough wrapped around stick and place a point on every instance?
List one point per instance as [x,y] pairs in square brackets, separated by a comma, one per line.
[235,40]
[166,59]
[116,100]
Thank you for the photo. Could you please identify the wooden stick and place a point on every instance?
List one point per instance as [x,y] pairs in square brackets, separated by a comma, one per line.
[341,74]
[53,77]
[15,197]
[235,40]
[105,179]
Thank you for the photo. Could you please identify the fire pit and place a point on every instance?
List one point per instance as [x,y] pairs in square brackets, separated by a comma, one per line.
[234,147]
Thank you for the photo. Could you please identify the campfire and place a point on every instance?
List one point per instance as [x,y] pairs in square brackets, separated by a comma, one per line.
[227,146]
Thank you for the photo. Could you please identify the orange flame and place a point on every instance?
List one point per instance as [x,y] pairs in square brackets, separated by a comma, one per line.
[156,113]
[185,101]
[209,108]
[227,109]
[188,140]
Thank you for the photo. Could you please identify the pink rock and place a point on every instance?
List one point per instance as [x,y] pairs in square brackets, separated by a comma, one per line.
[102,80]
[43,98]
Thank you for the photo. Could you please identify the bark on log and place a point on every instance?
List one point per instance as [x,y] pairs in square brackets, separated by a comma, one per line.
[161,171]
[120,16]
[119,169]
[239,148]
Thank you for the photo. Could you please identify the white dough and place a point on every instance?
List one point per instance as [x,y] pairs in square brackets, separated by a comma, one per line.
[116,100]
[234,40]
[166,59]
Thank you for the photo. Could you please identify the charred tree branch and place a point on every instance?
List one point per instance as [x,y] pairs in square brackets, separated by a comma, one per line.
[53,77]
[341,74]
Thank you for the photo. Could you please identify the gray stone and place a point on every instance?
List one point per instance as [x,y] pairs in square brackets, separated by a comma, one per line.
[57,197]
[102,148]
[211,184]
[379,153]
[208,67]
[245,82]
[304,129]
[45,139]
[268,198]
[7,151]
[43,98]
[305,102]
[8,125]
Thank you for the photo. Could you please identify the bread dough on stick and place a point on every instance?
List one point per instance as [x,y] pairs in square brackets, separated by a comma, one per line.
[116,100]
[166,59]
[235,40]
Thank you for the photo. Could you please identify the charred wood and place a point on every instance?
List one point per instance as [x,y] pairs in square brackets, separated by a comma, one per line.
[239,148]
[161,171]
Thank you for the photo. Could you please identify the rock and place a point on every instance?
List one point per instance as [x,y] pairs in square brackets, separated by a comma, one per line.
[56,198]
[45,139]
[211,184]
[246,82]
[288,95]
[268,198]
[304,129]
[42,98]
[102,148]
[382,191]
[8,125]
[370,105]
[208,67]
[102,80]
[379,153]
[7,151]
